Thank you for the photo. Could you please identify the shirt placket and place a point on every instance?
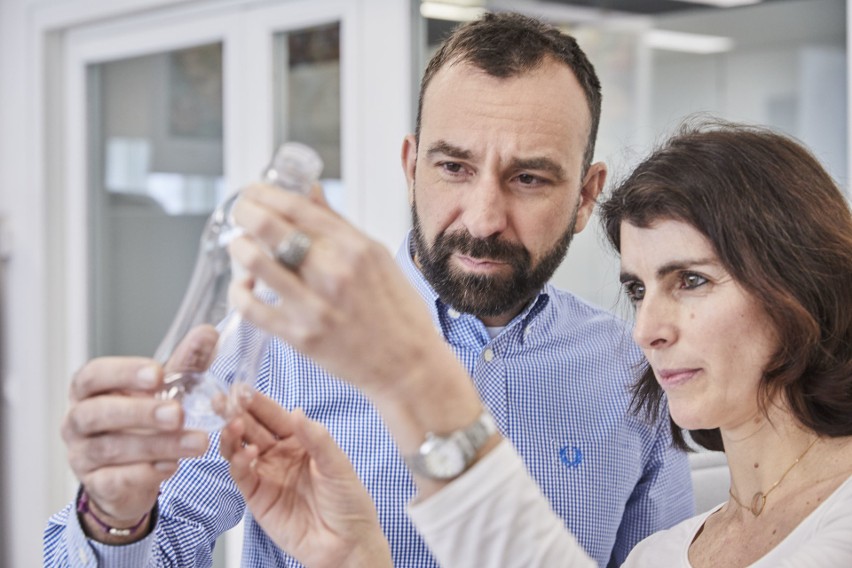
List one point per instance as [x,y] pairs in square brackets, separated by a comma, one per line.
[489,375]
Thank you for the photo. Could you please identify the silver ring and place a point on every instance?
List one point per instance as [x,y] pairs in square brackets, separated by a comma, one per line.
[291,251]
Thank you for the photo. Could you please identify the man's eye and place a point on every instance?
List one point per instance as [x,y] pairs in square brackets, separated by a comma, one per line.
[527,179]
[690,280]
[452,167]
[634,290]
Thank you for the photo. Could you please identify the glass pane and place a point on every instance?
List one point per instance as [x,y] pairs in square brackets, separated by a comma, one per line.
[155,139]
[307,97]
[779,63]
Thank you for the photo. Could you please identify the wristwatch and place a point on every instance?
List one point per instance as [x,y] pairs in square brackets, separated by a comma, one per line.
[446,457]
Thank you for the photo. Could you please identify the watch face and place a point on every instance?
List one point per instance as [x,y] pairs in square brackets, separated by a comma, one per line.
[444,460]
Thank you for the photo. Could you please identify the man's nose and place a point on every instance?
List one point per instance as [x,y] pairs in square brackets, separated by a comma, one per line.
[485,208]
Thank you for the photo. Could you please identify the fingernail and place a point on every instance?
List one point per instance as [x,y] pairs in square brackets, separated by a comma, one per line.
[167,414]
[146,377]
[193,441]
[165,466]
[243,393]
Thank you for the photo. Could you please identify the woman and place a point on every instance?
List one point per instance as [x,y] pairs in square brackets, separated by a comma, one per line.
[736,251]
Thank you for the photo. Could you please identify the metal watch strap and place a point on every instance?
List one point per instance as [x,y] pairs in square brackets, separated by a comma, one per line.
[468,441]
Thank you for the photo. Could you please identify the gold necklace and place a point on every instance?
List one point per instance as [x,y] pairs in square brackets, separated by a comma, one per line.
[758,502]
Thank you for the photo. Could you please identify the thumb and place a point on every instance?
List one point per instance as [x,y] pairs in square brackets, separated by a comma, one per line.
[319,444]
[195,351]
[317,195]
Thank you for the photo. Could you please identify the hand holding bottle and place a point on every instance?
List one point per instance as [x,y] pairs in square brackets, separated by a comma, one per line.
[210,400]
[123,442]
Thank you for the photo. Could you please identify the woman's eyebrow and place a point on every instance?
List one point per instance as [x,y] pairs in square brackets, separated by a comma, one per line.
[671,266]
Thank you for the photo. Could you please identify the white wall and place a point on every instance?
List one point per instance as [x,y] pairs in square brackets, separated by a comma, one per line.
[35,478]
[29,437]
[787,69]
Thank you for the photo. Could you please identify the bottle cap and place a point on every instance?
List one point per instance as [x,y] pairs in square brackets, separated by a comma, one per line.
[295,167]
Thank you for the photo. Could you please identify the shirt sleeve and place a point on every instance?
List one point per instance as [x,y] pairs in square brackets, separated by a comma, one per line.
[495,515]
[661,499]
[196,505]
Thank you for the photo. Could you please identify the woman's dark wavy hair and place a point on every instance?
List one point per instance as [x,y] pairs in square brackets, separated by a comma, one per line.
[783,229]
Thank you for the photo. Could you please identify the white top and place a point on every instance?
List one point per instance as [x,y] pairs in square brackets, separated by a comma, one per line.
[495,515]
[822,540]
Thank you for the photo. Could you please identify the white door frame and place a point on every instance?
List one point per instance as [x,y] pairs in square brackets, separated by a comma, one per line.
[48,342]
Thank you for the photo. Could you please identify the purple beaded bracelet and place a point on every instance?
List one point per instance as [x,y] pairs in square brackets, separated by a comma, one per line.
[83,509]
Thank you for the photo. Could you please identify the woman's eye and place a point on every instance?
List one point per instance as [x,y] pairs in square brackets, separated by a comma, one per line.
[691,280]
[635,291]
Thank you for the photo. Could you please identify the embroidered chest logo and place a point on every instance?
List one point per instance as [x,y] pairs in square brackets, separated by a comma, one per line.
[570,456]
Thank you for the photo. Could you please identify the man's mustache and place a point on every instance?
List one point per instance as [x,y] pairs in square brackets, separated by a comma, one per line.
[491,248]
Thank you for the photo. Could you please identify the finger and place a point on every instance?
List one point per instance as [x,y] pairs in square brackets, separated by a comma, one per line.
[240,456]
[295,289]
[293,208]
[252,256]
[195,351]
[231,438]
[269,416]
[242,470]
[111,374]
[262,223]
[320,445]
[257,434]
[108,413]
[298,318]
[301,318]
[246,429]
[119,449]
[317,195]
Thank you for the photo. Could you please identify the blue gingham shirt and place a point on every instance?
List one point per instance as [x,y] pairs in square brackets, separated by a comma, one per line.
[556,380]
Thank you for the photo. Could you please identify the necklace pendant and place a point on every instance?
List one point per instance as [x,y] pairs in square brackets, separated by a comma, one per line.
[758,502]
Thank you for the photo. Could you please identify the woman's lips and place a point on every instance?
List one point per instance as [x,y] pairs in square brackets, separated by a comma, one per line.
[675,377]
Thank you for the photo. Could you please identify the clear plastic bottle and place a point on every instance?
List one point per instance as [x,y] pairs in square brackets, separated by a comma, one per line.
[210,401]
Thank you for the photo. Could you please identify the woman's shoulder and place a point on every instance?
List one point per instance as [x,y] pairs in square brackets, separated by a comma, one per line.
[668,547]
[840,500]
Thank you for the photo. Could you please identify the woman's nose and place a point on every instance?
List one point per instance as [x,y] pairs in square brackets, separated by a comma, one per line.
[655,323]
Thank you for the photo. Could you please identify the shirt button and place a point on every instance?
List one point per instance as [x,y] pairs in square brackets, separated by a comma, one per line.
[81,554]
[488,355]
[453,313]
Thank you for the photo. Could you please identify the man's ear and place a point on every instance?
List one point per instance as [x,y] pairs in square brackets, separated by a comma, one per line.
[409,163]
[591,189]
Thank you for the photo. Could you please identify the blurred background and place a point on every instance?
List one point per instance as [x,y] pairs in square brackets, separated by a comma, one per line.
[123,123]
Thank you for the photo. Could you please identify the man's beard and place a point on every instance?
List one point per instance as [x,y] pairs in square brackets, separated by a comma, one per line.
[480,294]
